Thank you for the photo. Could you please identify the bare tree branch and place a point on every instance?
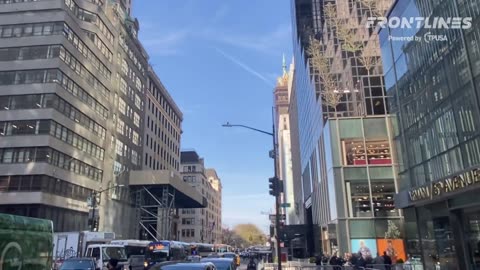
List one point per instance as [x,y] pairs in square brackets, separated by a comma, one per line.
[321,65]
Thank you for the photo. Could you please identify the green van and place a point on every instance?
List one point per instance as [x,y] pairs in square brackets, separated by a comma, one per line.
[25,243]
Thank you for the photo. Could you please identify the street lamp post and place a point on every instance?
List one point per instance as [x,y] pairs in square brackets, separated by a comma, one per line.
[93,199]
[277,196]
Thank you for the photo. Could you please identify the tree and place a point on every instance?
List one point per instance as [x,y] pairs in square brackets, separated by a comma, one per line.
[230,237]
[340,23]
[321,64]
[392,231]
[376,7]
[250,234]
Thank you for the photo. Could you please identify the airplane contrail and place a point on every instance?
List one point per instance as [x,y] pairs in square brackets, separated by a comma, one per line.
[244,66]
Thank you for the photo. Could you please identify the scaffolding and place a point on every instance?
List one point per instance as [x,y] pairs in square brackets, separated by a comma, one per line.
[155,212]
[157,196]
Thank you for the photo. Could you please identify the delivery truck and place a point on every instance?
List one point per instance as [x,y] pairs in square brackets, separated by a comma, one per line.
[74,244]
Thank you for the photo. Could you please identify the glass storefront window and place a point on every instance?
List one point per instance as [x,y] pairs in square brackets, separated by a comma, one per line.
[358,198]
[358,153]
[437,237]
[382,198]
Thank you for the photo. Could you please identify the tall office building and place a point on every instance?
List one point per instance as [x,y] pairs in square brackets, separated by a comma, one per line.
[61,102]
[282,130]
[162,128]
[202,225]
[346,169]
[434,81]
[73,85]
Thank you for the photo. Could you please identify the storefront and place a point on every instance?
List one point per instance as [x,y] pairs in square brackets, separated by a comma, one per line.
[442,221]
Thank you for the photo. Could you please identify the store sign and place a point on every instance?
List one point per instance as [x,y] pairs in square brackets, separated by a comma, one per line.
[445,186]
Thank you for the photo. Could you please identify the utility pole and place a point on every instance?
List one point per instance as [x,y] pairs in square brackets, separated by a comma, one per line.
[277,194]
[277,184]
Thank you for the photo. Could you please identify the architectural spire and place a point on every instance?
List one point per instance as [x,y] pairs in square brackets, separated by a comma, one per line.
[284,65]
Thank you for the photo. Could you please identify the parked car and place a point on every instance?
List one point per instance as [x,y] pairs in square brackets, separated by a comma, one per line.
[79,264]
[221,263]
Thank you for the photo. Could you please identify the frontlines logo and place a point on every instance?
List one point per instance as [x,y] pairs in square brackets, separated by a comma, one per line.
[421,22]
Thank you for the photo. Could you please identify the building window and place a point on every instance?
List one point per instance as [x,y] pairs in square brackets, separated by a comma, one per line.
[188,221]
[358,153]
[358,196]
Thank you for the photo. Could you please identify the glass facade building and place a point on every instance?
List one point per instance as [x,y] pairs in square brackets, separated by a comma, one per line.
[357,185]
[347,171]
[434,85]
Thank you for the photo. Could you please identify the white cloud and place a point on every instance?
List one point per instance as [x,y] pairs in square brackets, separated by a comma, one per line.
[165,43]
[269,43]
[245,67]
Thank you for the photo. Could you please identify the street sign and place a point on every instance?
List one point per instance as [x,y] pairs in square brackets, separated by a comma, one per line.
[282,217]
[285,205]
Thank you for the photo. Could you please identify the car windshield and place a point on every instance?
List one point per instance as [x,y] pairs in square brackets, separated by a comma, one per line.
[114,252]
[156,256]
[229,255]
[77,265]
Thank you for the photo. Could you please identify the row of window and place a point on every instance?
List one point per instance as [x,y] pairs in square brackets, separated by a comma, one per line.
[102,47]
[43,127]
[163,136]
[130,93]
[188,232]
[43,183]
[51,156]
[70,137]
[17,1]
[53,28]
[153,163]
[83,49]
[81,70]
[51,101]
[123,150]
[68,84]
[163,102]
[188,221]
[128,111]
[130,54]
[190,179]
[127,131]
[90,17]
[64,220]
[188,211]
[29,53]
[130,73]
[163,119]
[162,152]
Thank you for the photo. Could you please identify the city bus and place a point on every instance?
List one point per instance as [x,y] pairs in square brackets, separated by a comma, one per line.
[222,248]
[132,247]
[202,249]
[162,251]
[25,243]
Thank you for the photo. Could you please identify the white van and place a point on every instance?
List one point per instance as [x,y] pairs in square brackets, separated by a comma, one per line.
[104,252]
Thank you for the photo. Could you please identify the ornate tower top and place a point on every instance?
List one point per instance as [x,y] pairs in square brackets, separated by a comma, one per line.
[283,80]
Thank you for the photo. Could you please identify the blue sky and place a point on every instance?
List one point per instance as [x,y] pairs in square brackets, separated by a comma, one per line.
[219,59]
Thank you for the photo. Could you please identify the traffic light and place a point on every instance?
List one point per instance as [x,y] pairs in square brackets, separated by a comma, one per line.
[273,186]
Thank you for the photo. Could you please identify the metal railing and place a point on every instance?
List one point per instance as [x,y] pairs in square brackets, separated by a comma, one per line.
[306,266]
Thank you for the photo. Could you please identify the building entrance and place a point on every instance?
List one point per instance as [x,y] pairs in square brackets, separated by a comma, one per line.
[471,224]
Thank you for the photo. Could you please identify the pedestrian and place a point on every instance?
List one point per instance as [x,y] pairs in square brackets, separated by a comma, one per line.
[361,262]
[334,259]
[379,262]
[113,264]
[387,261]
[252,265]
[318,260]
